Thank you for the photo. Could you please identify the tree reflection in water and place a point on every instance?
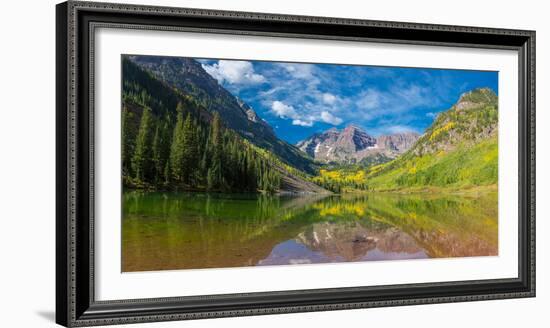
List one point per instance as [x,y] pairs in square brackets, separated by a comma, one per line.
[163,231]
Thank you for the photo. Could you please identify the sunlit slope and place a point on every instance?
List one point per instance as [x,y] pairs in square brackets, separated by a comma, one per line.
[460,149]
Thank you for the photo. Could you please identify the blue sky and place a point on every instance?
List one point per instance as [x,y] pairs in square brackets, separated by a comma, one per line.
[298,100]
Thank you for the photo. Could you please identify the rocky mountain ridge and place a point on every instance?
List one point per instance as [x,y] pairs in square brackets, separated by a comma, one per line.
[353,145]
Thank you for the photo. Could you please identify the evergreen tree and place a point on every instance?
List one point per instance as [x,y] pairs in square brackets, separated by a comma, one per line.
[177,152]
[164,153]
[157,156]
[141,161]
[162,149]
[167,174]
[190,151]
[127,149]
[215,173]
[210,179]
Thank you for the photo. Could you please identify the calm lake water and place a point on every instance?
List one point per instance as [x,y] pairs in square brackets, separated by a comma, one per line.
[166,231]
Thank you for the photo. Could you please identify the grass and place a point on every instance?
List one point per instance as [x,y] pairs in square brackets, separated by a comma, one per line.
[466,166]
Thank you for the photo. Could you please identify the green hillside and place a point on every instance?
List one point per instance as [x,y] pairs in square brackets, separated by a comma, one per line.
[186,77]
[171,142]
[466,166]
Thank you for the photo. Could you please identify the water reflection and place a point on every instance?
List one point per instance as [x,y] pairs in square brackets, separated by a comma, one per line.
[181,231]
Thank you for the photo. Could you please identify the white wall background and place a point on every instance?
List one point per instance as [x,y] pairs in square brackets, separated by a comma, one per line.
[27,162]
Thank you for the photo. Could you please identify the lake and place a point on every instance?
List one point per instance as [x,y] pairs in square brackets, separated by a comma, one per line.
[168,231]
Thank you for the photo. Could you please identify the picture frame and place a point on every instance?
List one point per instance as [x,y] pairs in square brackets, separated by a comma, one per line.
[76,25]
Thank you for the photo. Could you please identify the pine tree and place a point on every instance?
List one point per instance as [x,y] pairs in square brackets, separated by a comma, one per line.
[177,148]
[157,156]
[210,179]
[215,172]
[203,165]
[167,174]
[141,161]
[127,149]
[165,143]
[190,151]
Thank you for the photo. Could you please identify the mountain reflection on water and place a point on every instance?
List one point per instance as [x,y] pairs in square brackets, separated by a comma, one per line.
[165,231]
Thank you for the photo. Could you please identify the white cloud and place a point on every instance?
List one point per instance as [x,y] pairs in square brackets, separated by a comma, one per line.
[302,123]
[299,71]
[329,98]
[234,72]
[369,99]
[284,111]
[413,94]
[270,91]
[329,118]
[398,101]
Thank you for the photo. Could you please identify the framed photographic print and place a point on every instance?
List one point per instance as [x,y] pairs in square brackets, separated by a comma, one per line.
[214,163]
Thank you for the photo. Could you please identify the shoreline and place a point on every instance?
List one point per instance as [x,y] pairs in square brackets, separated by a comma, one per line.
[470,190]
[431,189]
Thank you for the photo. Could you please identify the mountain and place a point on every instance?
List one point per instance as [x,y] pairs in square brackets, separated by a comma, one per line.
[460,149]
[171,141]
[187,77]
[354,145]
[473,118]
[398,142]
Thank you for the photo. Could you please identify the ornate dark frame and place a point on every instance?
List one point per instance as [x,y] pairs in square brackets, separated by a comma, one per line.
[75,302]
